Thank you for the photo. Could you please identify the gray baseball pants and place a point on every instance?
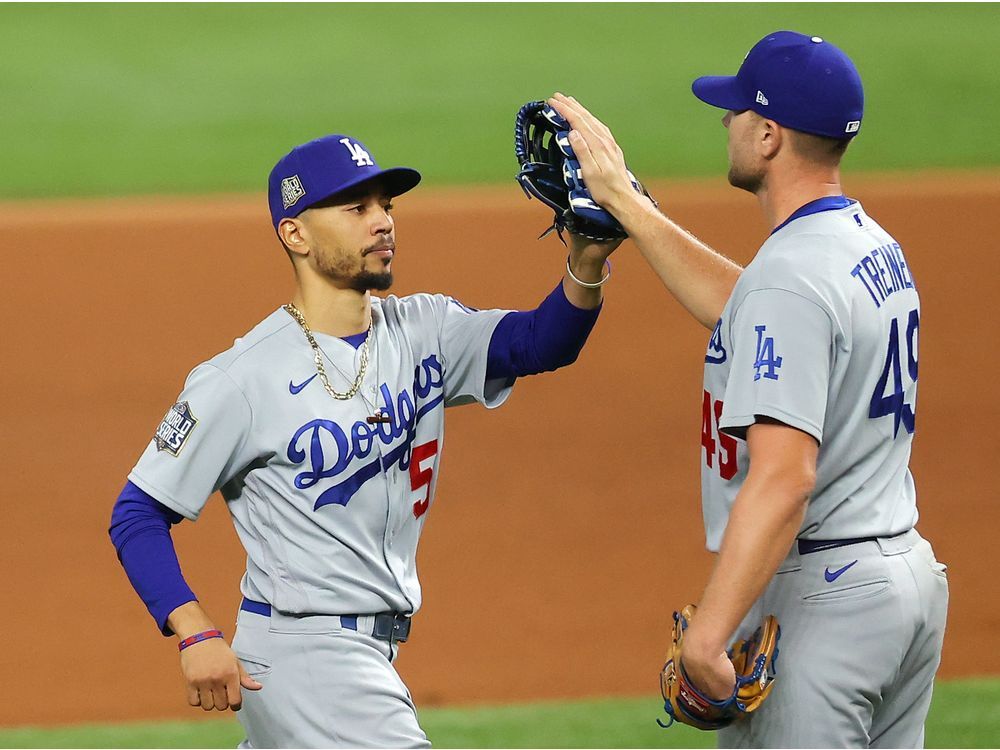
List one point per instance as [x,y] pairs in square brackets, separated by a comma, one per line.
[857,654]
[324,685]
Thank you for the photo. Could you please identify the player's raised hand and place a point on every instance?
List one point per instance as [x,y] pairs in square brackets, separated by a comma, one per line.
[601,159]
[213,676]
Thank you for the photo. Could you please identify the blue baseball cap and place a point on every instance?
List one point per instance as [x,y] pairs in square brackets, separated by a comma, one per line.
[801,82]
[319,169]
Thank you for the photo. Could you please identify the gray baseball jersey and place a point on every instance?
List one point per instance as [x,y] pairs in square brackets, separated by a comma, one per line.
[820,333]
[327,497]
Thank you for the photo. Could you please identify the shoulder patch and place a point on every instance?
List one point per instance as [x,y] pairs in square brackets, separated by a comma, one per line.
[175,428]
[716,353]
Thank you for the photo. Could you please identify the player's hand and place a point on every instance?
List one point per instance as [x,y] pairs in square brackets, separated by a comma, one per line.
[600,157]
[588,249]
[213,676]
[708,669]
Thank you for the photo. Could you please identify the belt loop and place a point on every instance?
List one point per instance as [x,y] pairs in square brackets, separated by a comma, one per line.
[899,544]
[391,627]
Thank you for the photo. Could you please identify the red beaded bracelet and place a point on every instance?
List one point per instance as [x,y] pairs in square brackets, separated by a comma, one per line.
[198,638]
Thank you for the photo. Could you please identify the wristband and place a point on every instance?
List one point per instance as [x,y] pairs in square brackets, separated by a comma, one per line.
[586,284]
[198,638]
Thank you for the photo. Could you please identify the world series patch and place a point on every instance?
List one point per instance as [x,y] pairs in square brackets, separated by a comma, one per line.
[291,190]
[175,428]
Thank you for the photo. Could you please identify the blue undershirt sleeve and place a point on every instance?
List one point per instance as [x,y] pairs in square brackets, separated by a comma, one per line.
[540,340]
[140,531]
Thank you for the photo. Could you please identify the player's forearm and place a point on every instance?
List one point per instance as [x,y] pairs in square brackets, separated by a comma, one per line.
[697,276]
[188,619]
[140,531]
[588,263]
[762,527]
[540,340]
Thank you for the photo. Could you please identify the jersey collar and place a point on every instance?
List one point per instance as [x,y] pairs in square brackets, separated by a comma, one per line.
[829,203]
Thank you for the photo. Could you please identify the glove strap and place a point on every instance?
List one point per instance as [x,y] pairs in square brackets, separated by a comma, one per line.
[586,284]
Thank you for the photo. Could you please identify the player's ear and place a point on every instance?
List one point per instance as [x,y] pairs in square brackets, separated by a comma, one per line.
[293,234]
[769,138]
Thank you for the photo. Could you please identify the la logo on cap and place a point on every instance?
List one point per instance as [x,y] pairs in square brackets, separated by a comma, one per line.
[361,157]
[291,190]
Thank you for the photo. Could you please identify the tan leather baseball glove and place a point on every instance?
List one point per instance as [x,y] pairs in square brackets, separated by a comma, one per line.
[753,660]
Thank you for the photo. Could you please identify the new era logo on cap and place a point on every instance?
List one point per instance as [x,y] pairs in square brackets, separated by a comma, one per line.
[761,99]
[291,190]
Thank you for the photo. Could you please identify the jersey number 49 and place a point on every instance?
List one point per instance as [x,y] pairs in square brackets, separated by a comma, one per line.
[718,445]
[885,402]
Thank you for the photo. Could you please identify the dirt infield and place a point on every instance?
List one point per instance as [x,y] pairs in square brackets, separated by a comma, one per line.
[567,523]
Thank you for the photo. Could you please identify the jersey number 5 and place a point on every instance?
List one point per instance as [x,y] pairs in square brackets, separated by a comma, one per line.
[883,404]
[711,412]
[422,477]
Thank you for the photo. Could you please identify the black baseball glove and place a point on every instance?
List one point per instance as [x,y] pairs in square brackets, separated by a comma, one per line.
[551,173]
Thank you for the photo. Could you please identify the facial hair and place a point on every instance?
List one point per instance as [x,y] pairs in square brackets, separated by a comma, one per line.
[746,179]
[344,268]
[377,281]
[743,173]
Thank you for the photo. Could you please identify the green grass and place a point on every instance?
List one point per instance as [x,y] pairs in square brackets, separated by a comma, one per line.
[963,715]
[114,99]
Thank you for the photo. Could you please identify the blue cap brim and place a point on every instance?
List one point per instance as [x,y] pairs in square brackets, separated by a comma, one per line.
[399,180]
[720,91]
[395,180]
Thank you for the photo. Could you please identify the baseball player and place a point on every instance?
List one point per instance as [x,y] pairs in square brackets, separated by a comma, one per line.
[808,413]
[323,428]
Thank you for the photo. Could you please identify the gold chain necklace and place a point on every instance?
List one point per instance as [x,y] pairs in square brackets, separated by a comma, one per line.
[318,356]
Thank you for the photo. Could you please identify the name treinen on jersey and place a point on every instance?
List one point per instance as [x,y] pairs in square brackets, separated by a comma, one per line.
[883,272]
[327,438]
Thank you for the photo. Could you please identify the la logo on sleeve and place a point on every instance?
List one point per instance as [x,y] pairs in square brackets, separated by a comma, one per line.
[766,359]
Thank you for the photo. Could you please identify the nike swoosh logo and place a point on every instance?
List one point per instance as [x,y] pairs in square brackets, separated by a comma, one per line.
[831,577]
[293,389]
